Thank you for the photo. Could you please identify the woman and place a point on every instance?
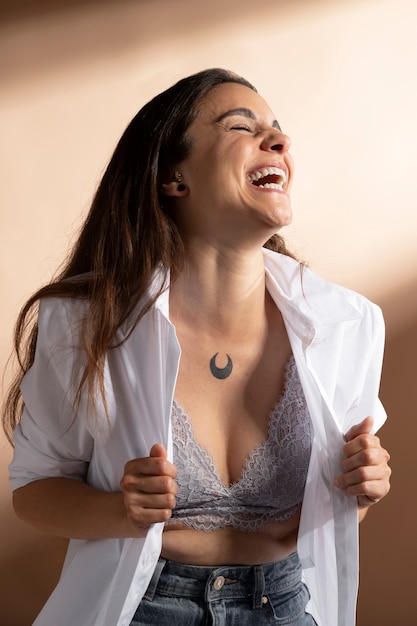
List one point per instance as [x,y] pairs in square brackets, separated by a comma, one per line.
[188,387]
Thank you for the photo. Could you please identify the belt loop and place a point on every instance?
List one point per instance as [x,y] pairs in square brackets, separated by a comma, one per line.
[259,586]
[150,592]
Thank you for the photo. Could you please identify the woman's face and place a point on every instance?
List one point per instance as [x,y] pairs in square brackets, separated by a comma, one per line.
[238,173]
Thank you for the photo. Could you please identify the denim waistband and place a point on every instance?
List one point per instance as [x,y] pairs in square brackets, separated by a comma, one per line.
[225,582]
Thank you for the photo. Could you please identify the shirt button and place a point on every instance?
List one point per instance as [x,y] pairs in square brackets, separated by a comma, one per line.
[218,583]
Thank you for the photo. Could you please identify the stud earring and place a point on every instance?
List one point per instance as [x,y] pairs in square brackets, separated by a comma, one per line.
[178,178]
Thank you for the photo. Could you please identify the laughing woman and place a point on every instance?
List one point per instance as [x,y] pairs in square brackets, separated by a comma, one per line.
[196,409]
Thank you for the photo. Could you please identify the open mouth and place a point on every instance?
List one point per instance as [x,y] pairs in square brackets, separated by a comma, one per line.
[268,178]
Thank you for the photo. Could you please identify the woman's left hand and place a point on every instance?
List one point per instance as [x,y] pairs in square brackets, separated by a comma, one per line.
[365,464]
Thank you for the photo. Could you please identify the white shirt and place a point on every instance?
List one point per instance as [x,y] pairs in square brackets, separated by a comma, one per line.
[337,341]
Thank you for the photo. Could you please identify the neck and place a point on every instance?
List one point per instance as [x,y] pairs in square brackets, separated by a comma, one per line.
[221,292]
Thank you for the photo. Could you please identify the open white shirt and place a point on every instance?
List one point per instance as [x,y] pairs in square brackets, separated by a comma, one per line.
[337,340]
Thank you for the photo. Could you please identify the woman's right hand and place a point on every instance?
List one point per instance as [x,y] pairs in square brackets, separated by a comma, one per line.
[149,488]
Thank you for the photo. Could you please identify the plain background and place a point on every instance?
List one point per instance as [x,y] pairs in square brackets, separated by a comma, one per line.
[341,77]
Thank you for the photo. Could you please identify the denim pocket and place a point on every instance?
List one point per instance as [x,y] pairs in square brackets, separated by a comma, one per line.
[289,607]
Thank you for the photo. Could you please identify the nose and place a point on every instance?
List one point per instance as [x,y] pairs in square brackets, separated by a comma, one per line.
[276,141]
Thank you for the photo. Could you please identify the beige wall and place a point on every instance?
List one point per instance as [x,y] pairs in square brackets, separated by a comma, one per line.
[341,77]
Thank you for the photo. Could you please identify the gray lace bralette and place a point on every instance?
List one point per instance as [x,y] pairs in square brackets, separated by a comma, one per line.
[272,483]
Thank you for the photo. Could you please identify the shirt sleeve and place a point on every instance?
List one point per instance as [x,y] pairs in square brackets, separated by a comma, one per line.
[52,440]
[369,368]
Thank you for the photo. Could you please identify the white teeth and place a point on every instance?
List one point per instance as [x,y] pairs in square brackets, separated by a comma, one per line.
[270,186]
[269,171]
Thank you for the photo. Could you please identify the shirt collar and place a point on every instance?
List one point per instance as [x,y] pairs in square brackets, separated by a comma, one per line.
[306,300]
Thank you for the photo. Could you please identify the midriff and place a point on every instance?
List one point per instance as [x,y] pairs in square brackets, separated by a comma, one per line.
[230,546]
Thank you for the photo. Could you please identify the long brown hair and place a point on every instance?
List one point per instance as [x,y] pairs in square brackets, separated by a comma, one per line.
[125,237]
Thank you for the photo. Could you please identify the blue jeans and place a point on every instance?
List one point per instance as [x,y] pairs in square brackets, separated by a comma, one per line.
[189,595]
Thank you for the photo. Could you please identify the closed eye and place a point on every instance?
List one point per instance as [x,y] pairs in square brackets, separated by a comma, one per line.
[242,127]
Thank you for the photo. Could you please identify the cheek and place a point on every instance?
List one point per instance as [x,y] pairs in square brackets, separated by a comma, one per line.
[217,168]
[290,164]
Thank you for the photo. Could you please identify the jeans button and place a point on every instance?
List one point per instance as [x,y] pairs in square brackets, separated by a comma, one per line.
[218,583]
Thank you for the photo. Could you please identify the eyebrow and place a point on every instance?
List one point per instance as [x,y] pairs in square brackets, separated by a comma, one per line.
[245,113]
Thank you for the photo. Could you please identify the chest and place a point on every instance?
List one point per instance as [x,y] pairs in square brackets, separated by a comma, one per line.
[230,415]
[272,481]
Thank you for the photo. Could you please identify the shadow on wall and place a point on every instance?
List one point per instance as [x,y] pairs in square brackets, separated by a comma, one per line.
[388,535]
[28,571]
[24,9]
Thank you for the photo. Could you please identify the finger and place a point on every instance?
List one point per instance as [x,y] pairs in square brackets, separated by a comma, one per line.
[149,484]
[362,477]
[138,501]
[365,441]
[158,450]
[374,490]
[150,466]
[364,456]
[144,509]
[362,428]
[145,517]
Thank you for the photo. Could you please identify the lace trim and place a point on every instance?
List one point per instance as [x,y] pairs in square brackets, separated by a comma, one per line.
[273,478]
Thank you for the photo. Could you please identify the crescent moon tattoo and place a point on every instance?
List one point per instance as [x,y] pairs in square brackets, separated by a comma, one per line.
[221,372]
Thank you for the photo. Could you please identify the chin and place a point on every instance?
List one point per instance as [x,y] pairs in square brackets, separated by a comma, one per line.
[281,218]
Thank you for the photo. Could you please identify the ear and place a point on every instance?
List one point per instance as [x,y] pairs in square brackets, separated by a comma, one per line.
[175,187]
[171,189]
